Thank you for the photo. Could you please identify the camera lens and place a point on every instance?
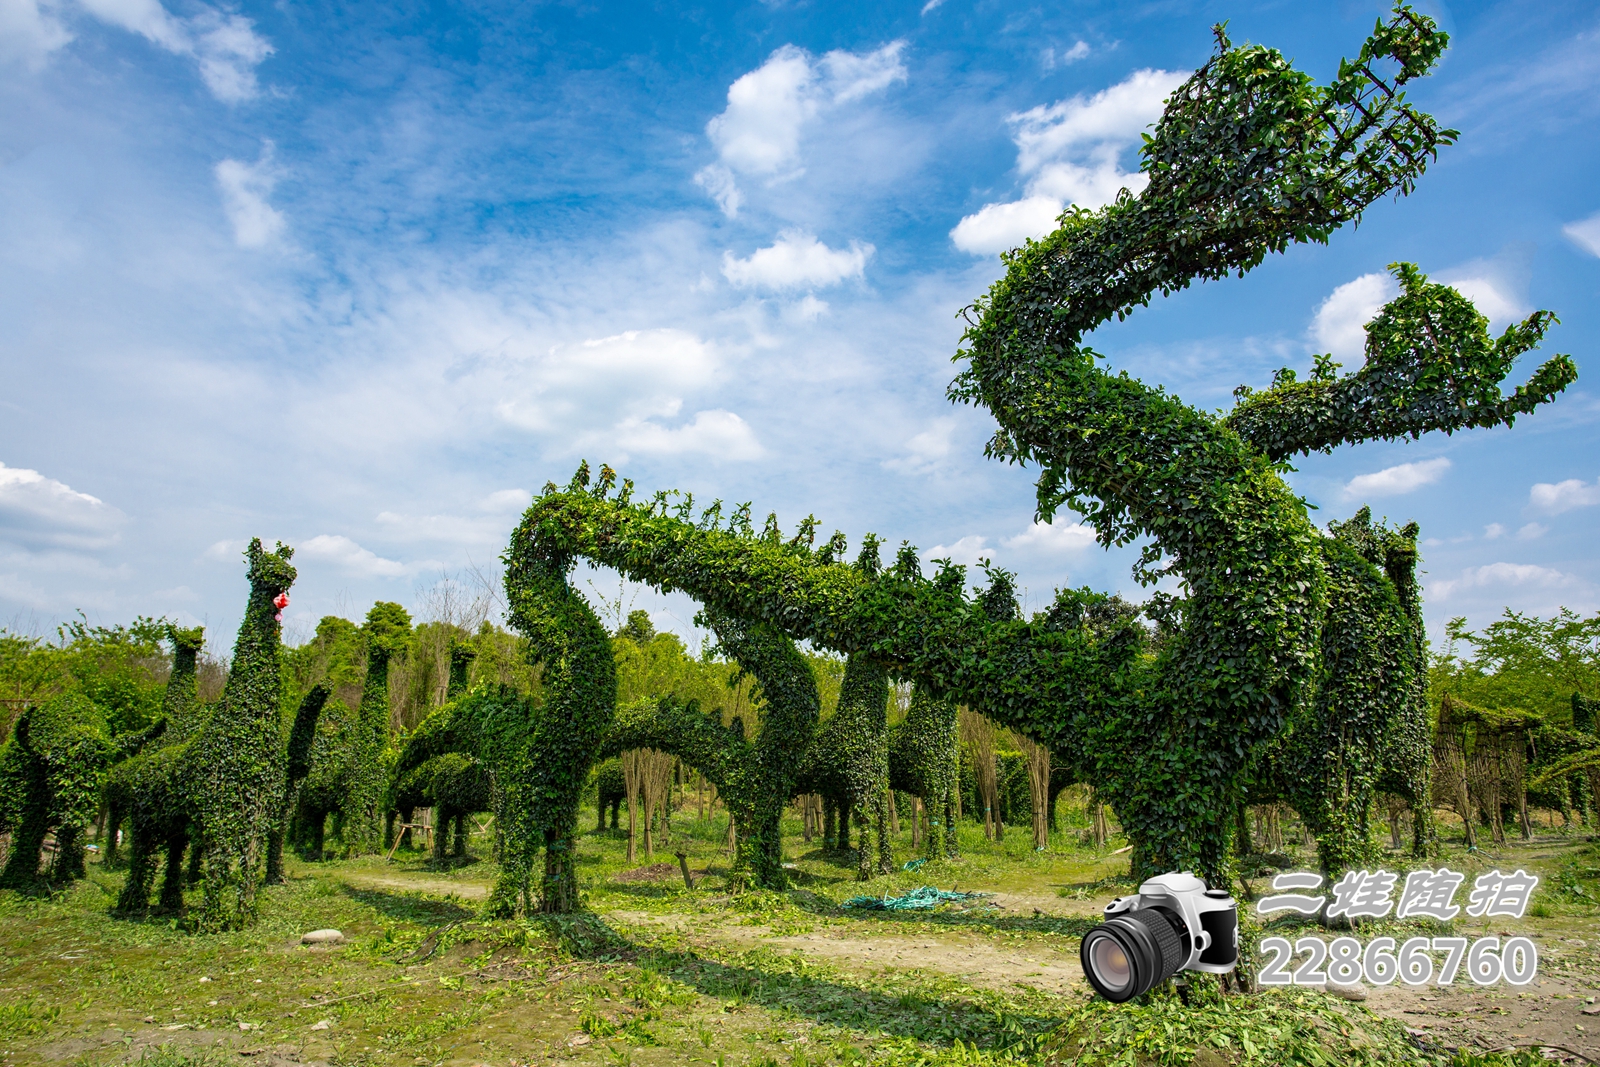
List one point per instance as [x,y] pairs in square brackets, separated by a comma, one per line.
[1111,964]
[1132,952]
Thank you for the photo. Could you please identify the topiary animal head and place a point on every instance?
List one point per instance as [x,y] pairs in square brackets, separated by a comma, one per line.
[270,573]
[192,640]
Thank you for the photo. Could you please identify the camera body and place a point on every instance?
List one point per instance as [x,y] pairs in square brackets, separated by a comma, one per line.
[1174,923]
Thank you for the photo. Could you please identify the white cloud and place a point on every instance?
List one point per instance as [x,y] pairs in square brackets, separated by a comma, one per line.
[925,451]
[969,551]
[352,558]
[226,551]
[849,76]
[1049,537]
[607,395]
[807,309]
[1393,481]
[1066,57]
[1493,532]
[1119,114]
[719,184]
[1499,574]
[225,47]
[1340,325]
[29,32]
[1070,152]
[1585,233]
[796,261]
[507,500]
[1496,285]
[1491,296]
[499,510]
[245,189]
[1531,531]
[931,5]
[1564,496]
[999,227]
[760,130]
[719,434]
[632,375]
[40,512]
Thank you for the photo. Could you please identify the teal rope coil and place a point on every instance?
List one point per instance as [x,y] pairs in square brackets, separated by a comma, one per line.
[924,899]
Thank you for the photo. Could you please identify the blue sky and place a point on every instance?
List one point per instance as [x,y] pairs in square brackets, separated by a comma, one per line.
[362,277]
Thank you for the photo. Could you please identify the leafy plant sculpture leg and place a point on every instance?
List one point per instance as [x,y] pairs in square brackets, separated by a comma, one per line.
[1369,679]
[922,762]
[764,780]
[297,764]
[849,760]
[580,683]
[385,632]
[754,778]
[181,713]
[50,772]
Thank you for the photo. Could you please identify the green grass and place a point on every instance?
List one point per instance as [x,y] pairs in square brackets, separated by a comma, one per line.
[652,974]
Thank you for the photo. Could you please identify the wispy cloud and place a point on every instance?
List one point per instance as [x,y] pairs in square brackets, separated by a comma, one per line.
[759,133]
[926,451]
[1585,233]
[245,188]
[797,260]
[1555,498]
[1397,480]
[1071,153]
[1064,57]
[1500,575]
[1053,537]
[224,46]
[351,558]
[29,32]
[37,512]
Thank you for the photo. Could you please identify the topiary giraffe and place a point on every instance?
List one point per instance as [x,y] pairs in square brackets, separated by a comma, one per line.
[225,781]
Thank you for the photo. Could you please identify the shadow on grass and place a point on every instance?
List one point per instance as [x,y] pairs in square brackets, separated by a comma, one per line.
[1064,925]
[785,986]
[410,907]
[795,985]
[975,918]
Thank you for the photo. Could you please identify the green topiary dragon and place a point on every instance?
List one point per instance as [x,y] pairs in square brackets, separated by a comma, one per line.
[1249,157]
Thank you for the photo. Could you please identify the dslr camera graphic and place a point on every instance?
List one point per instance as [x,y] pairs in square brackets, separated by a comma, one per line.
[1174,923]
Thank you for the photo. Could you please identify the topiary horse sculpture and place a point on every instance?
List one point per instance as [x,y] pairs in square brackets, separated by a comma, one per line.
[50,771]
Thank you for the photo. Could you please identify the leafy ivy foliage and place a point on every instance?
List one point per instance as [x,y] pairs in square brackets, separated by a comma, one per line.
[1538,678]
[297,753]
[385,635]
